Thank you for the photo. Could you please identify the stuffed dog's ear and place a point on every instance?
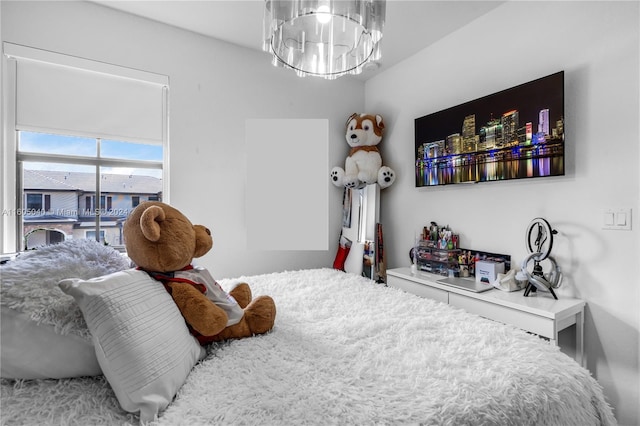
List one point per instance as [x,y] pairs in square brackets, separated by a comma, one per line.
[204,241]
[150,222]
[379,122]
[354,115]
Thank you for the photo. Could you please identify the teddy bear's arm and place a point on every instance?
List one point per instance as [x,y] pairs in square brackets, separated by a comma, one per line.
[200,313]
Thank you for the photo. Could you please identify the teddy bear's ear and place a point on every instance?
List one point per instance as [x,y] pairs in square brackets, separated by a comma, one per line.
[150,222]
[351,117]
[379,122]
[204,241]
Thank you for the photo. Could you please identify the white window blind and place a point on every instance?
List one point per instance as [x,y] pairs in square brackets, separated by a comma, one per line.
[75,96]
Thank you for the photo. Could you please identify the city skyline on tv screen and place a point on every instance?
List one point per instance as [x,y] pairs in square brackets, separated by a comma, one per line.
[513,134]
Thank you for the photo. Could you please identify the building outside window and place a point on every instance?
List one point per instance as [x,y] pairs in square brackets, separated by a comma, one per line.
[64,196]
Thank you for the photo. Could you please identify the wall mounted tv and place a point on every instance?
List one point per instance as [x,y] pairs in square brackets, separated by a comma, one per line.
[513,134]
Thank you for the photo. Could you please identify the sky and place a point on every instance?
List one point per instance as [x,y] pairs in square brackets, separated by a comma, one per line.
[87,147]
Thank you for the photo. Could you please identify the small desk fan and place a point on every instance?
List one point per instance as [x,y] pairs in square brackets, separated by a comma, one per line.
[539,240]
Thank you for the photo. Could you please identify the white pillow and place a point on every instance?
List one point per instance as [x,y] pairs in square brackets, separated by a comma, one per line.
[38,318]
[24,342]
[141,340]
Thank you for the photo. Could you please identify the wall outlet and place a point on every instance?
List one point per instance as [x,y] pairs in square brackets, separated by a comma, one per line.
[618,219]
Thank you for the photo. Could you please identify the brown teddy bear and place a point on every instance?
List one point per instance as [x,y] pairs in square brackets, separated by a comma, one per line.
[162,241]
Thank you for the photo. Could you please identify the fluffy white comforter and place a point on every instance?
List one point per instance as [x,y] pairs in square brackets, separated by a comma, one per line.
[348,351]
[345,350]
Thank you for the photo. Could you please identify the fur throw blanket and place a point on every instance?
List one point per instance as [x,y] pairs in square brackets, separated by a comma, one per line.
[29,283]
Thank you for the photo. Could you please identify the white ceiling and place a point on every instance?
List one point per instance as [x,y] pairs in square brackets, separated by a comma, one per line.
[411,25]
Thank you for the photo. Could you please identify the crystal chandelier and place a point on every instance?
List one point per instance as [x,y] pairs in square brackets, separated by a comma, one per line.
[325,38]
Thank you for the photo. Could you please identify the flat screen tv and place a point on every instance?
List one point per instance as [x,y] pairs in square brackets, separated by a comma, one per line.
[513,134]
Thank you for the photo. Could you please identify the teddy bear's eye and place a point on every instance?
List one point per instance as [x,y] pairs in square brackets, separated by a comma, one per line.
[366,127]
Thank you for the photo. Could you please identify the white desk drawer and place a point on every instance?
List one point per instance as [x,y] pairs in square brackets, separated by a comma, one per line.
[527,321]
[540,315]
[418,289]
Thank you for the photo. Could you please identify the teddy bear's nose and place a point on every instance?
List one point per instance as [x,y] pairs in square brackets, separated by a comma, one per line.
[353,136]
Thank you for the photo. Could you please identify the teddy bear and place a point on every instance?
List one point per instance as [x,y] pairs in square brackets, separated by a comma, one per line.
[161,241]
[363,165]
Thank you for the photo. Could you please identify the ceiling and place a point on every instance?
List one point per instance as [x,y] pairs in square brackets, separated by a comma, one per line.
[411,25]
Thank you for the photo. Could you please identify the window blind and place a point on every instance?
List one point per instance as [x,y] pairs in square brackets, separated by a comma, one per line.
[76,96]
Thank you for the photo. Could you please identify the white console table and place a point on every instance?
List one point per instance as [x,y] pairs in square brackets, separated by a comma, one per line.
[539,313]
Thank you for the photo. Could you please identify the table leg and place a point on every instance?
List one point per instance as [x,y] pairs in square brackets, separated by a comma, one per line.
[580,338]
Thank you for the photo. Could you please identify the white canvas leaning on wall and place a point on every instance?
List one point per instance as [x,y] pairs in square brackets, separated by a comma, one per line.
[287,184]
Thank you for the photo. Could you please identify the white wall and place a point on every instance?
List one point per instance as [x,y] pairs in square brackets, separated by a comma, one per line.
[596,44]
[214,88]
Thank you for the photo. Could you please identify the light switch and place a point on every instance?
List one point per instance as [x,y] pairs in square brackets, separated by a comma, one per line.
[608,218]
[616,218]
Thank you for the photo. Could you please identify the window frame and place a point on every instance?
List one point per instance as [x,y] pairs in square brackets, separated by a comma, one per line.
[12,200]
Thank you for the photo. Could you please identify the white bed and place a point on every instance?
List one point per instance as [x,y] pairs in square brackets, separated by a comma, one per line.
[344,350]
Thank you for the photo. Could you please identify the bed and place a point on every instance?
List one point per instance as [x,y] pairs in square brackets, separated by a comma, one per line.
[344,350]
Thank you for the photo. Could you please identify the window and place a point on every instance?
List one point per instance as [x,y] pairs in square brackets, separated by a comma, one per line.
[88,136]
[87,192]
[106,202]
[34,201]
[91,235]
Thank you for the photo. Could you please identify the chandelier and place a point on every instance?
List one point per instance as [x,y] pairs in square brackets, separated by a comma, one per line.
[325,38]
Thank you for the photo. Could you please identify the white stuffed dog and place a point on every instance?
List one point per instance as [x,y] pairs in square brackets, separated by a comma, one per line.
[363,165]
